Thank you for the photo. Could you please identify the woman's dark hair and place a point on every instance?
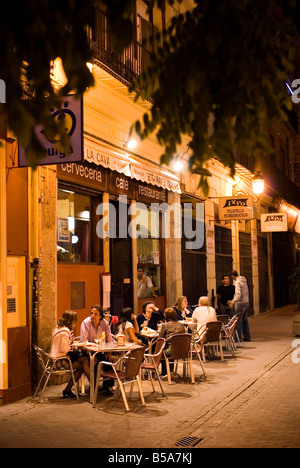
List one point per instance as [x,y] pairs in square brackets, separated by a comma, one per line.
[68,318]
[100,309]
[145,305]
[125,316]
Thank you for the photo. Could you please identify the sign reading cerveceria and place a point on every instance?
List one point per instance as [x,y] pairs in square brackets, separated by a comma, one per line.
[272,222]
[232,208]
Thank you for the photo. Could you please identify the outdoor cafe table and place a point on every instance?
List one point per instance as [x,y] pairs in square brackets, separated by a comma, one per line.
[189,324]
[93,349]
[150,336]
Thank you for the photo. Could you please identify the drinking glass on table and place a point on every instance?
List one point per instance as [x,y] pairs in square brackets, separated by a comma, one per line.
[97,340]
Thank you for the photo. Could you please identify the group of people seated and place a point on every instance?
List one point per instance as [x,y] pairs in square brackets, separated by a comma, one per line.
[100,323]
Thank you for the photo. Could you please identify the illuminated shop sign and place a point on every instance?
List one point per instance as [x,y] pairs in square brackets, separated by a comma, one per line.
[235,208]
[71,113]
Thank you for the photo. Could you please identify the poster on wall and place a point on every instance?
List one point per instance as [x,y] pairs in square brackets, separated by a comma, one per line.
[63,233]
[210,239]
[235,208]
[71,112]
[105,289]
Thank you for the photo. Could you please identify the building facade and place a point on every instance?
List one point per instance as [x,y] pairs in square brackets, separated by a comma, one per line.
[75,234]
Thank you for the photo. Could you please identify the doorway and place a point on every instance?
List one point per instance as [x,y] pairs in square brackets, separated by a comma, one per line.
[120,260]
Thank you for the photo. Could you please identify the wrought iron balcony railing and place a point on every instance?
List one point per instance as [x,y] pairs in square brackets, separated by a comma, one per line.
[126,66]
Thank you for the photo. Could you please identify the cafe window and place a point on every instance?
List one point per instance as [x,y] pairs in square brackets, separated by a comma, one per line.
[149,249]
[75,228]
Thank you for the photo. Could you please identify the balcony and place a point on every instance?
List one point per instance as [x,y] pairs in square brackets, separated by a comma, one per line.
[126,66]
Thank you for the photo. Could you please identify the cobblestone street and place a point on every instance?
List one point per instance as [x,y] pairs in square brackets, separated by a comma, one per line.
[251,401]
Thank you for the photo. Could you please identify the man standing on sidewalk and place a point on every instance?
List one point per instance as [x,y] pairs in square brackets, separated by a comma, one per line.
[241,299]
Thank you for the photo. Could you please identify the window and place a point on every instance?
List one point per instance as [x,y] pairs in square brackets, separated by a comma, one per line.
[75,228]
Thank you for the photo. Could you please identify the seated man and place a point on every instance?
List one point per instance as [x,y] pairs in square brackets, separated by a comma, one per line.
[225,293]
[94,326]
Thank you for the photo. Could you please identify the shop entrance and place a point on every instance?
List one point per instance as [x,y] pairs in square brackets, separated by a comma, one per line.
[283,264]
[246,264]
[120,261]
[263,272]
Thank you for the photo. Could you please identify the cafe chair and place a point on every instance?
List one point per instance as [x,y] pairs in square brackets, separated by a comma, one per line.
[197,346]
[49,368]
[130,363]
[223,318]
[213,338]
[81,382]
[236,335]
[180,344]
[152,362]
[228,334]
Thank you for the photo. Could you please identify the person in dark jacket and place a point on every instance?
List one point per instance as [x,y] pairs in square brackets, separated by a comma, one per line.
[182,309]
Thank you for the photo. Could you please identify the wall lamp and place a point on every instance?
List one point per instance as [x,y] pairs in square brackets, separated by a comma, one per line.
[131,144]
[258,183]
[178,165]
[258,186]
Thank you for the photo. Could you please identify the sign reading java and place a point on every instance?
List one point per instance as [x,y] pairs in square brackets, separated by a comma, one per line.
[70,114]
[273,222]
[232,208]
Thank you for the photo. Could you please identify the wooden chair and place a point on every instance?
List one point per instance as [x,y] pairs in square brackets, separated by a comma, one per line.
[131,363]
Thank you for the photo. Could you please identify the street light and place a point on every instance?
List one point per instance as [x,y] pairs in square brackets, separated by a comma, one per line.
[178,166]
[258,183]
[131,144]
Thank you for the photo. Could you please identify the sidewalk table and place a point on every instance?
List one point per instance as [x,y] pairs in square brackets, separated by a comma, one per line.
[93,349]
[189,324]
[150,336]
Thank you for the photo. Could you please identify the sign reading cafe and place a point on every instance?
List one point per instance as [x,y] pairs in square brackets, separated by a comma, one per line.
[232,208]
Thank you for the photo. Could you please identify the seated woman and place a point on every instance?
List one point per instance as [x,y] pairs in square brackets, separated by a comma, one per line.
[61,345]
[169,328]
[150,316]
[127,325]
[203,313]
[181,308]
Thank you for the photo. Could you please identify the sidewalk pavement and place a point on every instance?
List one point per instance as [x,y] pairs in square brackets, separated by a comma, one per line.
[250,401]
